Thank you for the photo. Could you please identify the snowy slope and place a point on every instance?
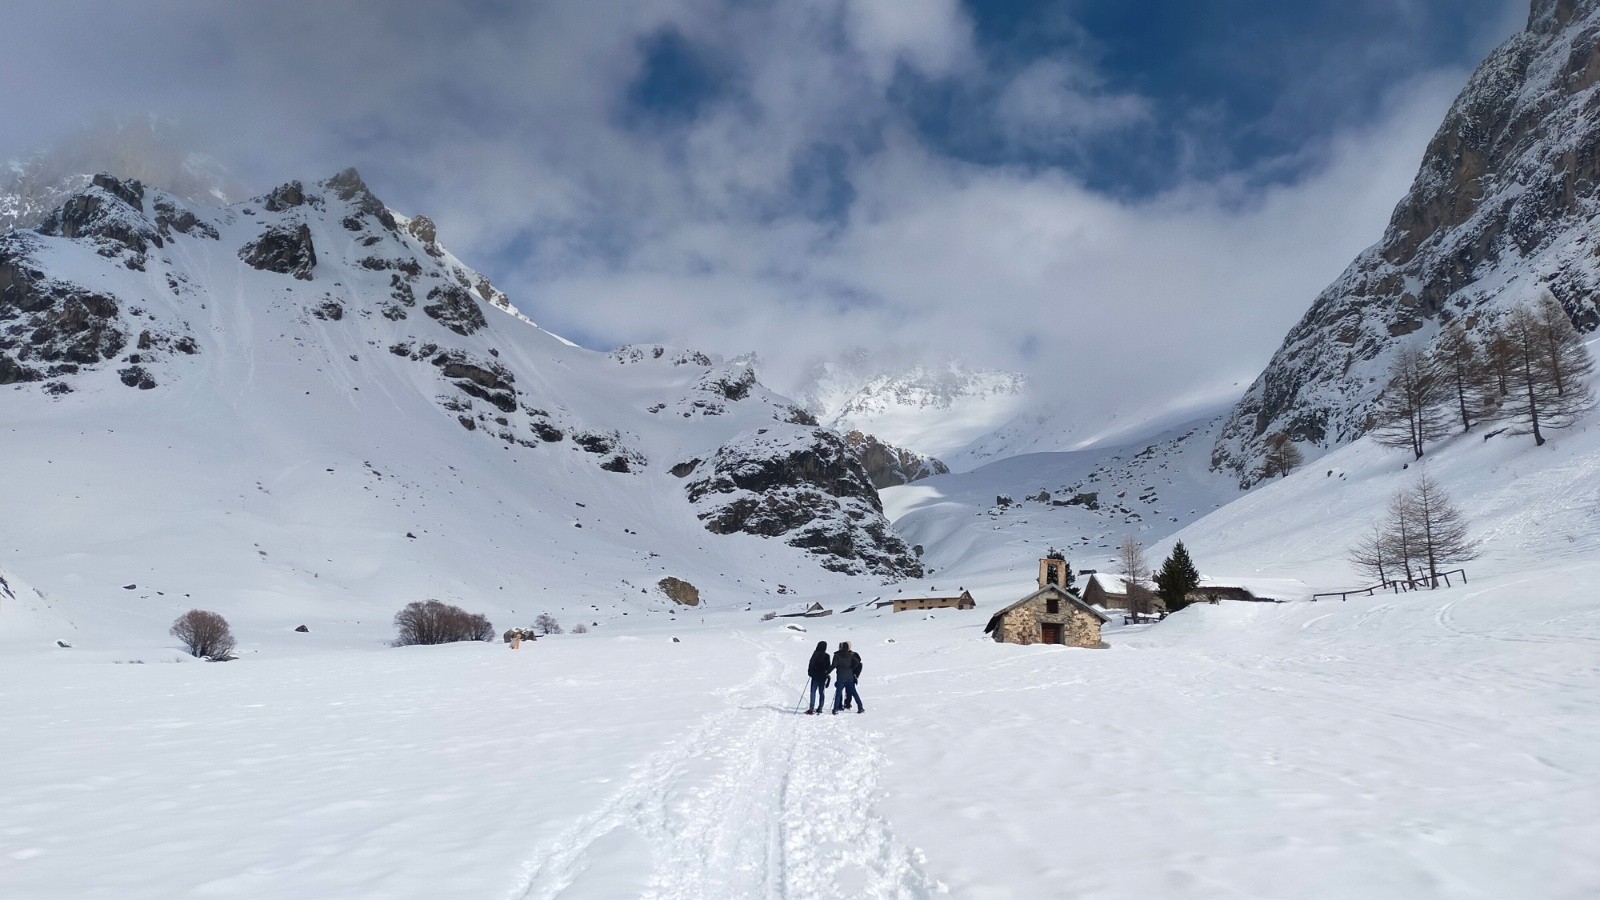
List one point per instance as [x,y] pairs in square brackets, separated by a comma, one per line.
[1049,427]
[1082,502]
[282,449]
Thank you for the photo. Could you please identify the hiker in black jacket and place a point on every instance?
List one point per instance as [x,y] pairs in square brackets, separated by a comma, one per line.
[818,670]
[846,670]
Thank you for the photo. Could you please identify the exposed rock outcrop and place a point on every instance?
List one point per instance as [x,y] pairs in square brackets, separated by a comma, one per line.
[455,309]
[48,327]
[287,251]
[807,486]
[680,591]
[888,465]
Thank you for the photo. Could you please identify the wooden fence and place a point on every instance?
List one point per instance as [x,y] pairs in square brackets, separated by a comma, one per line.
[1400,586]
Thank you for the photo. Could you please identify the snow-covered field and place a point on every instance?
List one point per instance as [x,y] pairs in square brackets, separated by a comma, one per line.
[1437,744]
[1431,745]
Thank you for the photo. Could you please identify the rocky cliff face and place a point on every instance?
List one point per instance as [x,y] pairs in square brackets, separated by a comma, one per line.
[888,465]
[806,485]
[1504,207]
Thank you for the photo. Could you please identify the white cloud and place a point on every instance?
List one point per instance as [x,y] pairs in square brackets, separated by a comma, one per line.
[511,131]
[1054,102]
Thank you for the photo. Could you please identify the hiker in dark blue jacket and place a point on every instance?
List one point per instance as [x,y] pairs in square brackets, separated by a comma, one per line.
[818,670]
[846,671]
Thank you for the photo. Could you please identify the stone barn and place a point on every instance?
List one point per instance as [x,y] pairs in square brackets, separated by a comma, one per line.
[1248,589]
[1109,591]
[962,600]
[1105,590]
[1049,615]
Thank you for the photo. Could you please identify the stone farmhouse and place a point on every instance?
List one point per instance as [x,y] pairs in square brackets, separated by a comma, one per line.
[1049,615]
[960,601]
[1109,591]
[1248,589]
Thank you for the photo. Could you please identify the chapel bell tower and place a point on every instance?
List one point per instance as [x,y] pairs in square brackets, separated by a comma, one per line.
[1053,570]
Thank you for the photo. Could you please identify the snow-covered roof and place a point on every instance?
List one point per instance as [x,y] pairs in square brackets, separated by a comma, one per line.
[1111,584]
[1262,588]
[994,620]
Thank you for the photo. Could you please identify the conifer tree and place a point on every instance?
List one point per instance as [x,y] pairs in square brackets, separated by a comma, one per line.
[1177,578]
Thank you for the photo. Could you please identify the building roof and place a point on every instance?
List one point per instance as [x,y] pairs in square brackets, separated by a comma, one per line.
[994,620]
[1259,587]
[1111,584]
[963,595]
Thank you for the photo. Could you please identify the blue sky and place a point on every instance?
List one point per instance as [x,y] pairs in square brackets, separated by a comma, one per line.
[1002,181]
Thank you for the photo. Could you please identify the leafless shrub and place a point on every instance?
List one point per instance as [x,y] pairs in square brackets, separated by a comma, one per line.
[547,624]
[1283,456]
[1136,572]
[580,628]
[204,634]
[433,622]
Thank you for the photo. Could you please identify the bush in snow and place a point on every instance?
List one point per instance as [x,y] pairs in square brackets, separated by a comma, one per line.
[204,634]
[580,628]
[547,624]
[432,622]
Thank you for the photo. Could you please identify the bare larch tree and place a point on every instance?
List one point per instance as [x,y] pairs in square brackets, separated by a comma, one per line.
[1135,572]
[1374,556]
[1460,362]
[1283,456]
[1549,369]
[1439,528]
[1410,413]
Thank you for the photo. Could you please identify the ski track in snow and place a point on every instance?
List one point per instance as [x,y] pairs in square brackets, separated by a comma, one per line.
[756,800]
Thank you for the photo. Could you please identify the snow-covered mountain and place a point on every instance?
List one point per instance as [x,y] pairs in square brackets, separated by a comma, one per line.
[933,409]
[1082,502]
[142,149]
[304,401]
[1506,206]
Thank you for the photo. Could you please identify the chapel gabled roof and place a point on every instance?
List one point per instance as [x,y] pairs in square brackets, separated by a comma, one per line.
[994,620]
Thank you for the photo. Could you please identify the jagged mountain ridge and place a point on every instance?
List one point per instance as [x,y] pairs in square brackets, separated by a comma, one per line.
[1504,207]
[225,355]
